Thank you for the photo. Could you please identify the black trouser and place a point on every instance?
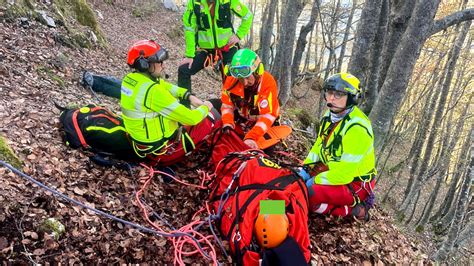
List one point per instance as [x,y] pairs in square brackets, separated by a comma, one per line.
[107,85]
[185,73]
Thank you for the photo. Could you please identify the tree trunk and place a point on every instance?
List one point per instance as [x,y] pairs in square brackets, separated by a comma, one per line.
[465,235]
[301,42]
[370,92]
[253,8]
[346,36]
[448,199]
[462,164]
[430,203]
[400,15]
[330,44]
[308,51]
[266,32]
[461,207]
[422,132]
[317,66]
[365,35]
[281,69]
[412,212]
[425,162]
[446,152]
[420,27]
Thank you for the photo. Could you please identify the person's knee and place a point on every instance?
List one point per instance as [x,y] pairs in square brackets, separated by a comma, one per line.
[184,70]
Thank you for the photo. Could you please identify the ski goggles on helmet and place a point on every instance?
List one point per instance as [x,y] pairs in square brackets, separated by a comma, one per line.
[240,71]
[159,56]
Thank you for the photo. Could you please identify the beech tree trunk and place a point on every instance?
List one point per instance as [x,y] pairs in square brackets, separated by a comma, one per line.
[301,43]
[266,32]
[371,91]
[420,27]
[331,40]
[438,115]
[281,69]
[461,207]
[400,14]
[365,35]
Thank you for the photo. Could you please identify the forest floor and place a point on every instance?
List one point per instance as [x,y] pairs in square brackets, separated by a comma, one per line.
[37,69]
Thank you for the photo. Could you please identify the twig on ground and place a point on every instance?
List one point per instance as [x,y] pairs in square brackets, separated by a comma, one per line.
[20,229]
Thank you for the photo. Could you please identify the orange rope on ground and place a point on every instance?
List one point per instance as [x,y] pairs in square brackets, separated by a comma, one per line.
[185,236]
[153,171]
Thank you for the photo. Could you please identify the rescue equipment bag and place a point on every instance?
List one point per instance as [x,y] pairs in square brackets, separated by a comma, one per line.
[96,129]
[242,179]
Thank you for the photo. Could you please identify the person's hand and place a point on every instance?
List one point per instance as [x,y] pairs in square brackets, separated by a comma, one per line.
[185,61]
[208,104]
[226,128]
[195,101]
[251,143]
[304,174]
[233,40]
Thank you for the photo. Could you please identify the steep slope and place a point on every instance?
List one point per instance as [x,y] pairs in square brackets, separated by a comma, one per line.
[37,68]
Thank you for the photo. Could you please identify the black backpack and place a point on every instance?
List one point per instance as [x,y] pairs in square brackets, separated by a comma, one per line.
[96,129]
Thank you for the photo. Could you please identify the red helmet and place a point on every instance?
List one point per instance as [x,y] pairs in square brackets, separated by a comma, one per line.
[147,49]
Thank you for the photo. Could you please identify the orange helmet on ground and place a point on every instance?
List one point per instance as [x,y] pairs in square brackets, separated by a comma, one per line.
[271,229]
[144,52]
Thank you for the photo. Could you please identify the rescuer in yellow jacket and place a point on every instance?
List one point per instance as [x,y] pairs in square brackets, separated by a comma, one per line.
[340,168]
[151,110]
[209,35]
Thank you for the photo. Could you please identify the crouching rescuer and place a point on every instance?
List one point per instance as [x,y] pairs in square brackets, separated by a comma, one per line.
[249,98]
[152,112]
[340,168]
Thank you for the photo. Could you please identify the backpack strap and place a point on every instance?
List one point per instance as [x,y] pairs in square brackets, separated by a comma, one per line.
[283,181]
[78,130]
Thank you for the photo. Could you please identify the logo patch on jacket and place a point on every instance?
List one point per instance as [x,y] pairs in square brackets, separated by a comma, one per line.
[264,104]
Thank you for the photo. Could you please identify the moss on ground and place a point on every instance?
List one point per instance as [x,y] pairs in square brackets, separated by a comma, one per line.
[51,75]
[303,118]
[62,10]
[7,154]
[145,10]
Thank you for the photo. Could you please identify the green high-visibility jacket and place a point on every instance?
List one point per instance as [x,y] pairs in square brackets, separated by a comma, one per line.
[200,29]
[346,148]
[151,110]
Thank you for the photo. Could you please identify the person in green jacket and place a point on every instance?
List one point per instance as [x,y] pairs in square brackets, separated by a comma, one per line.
[209,35]
[151,111]
[340,168]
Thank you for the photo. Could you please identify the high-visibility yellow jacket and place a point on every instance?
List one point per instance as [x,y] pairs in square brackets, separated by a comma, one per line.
[345,147]
[201,29]
[151,110]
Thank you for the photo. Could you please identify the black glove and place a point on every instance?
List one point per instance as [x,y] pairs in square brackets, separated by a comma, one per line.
[226,129]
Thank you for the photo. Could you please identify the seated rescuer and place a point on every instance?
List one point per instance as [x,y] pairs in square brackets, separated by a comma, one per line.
[249,97]
[151,110]
[340,168]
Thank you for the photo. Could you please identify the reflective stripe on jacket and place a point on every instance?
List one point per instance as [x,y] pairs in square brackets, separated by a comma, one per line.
[151,111]
[348,152]
[263,108]
[201,30]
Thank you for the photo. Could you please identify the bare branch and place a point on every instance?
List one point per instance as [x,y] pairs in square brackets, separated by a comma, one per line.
[453,19]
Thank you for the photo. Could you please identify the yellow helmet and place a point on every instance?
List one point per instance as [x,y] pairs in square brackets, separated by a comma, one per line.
[344,82]
[271,229]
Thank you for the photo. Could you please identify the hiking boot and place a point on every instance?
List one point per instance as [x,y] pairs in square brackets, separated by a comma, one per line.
[87,79]
[361,212]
